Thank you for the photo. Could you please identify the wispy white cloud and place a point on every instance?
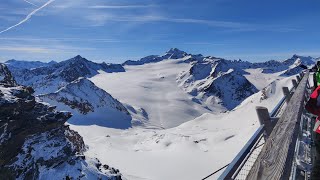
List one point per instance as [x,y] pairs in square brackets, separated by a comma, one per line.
[25,49]
[32,39]
[100,19]
[30,3]
[27,17]
[120,6]
[43,49]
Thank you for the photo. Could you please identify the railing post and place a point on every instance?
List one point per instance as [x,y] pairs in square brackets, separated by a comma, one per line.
[294,82]
[264,119]
[301,75]
[298,78]
[286,93]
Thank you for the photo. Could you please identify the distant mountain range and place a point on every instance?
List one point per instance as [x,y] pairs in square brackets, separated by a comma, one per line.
[36,99]
[49,77]
[210,80]
[224,79]
[21,64]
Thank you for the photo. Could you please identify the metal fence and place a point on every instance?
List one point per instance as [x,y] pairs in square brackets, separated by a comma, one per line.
[241,165]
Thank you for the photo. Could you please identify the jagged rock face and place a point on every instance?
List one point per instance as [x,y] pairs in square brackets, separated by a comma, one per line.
[89,105]
[6,77]
[84,96]
[232,88]
[52,77]
[35,143]
[218,81]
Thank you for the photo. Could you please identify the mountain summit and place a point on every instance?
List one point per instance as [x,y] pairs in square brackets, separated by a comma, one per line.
[173,53]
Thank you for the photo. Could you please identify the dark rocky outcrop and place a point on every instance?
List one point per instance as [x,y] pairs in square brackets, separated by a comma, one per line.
[6,78]
[34,142]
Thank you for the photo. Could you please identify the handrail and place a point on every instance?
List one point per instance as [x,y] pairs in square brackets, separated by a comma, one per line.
[275,159]
[279,105]
[229,172]
[233,166]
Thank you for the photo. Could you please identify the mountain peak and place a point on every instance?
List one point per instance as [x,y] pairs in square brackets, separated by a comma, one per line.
[175,50]
[295,56]
[175,53]
[78,57]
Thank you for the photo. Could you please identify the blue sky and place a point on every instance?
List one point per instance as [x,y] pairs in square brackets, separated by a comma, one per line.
[114,31]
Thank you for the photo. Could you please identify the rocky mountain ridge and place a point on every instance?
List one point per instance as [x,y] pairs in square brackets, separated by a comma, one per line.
[50,78]
[89,104]
[218,81]
[173,53]
[35,143]
[20,64]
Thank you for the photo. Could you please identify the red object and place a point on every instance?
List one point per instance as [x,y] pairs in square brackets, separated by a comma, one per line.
[318,128]
[312,107]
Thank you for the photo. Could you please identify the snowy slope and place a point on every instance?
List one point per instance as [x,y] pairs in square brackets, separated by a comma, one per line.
[208,84]
[153,87]
[195,147]
[189,151]
[89,105]
[186,111]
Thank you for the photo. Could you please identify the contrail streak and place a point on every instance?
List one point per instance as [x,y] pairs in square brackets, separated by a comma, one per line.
[28,16]
[30,3]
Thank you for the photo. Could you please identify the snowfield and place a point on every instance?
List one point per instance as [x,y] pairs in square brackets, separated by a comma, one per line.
[180,139]
[153,87]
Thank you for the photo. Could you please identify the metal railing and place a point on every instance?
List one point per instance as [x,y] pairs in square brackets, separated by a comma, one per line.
[277,157]
[240,166]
